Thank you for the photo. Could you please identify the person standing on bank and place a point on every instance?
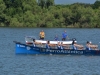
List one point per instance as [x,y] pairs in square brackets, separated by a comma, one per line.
[64,36]
[42,35]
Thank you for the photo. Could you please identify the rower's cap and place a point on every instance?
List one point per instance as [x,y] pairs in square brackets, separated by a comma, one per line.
[90,42]
[75,41]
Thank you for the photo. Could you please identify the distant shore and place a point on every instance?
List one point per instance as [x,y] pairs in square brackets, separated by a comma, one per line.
[45,13]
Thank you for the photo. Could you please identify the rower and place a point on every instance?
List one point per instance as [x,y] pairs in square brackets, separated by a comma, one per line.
[60,45]
[48,45]
[90,46]
[94,47]
[73,45]
[36,43]
[77,46]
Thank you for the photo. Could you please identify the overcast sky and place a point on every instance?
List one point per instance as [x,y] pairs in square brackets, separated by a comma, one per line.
[74,1]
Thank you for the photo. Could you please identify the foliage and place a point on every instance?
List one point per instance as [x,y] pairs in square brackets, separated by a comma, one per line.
[96,4]
[44,13]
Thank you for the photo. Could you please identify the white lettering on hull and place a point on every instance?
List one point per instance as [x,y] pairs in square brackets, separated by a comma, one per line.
[20,46]
[65,51]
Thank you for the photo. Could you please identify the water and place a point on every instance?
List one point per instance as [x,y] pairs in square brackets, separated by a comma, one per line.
[12,64]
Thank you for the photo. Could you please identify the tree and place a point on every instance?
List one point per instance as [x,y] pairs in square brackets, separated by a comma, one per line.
[41,3]
[96,4]
[2,15]
[49,3]
[2,7]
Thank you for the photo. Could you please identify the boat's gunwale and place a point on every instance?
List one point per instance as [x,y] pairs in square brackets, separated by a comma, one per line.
[30,45]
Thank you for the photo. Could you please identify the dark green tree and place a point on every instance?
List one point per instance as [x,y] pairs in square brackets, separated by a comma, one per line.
[41,3]
[2,14]
[96,4]
[49,3]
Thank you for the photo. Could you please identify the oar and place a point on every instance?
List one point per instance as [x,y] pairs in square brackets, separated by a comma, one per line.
[73,39]
[16,42]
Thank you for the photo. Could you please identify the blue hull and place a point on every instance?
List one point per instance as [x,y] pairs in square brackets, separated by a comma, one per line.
[26,49]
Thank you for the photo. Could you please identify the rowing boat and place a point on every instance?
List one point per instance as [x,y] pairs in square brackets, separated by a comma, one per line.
[28,48]
[22,48]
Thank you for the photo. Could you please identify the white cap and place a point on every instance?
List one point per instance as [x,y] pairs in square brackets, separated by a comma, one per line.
[76,41]
[90,42]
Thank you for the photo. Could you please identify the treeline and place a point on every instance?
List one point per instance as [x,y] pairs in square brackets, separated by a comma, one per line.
[44,13]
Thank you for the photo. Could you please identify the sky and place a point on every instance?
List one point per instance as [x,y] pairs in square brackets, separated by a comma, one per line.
[74,1]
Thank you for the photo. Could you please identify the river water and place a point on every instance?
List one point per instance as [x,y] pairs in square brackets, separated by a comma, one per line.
[12,64]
